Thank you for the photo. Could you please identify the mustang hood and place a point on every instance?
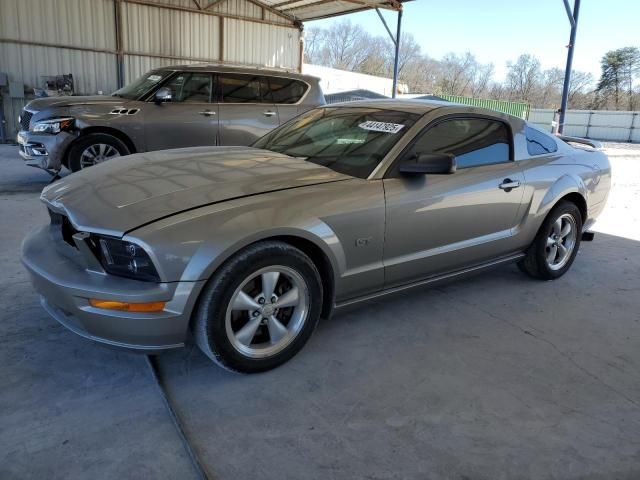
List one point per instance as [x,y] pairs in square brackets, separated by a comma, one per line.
[124,193]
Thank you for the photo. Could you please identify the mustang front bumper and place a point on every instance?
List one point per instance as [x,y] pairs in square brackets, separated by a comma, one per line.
[59,275]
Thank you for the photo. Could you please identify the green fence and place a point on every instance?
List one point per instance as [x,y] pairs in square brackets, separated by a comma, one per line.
[512,108]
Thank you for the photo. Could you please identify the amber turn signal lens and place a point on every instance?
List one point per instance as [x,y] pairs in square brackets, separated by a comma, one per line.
[127,307]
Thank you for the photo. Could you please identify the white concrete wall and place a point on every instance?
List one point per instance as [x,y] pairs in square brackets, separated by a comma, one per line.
[615,126]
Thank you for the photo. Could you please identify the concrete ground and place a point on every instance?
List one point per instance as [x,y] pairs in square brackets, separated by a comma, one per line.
[493,377]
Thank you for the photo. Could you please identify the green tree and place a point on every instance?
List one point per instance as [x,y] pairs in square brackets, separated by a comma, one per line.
[619,69]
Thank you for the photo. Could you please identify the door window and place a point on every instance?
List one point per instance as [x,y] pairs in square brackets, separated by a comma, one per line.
[474,141]
[238,88]
[285,90]
[191,87]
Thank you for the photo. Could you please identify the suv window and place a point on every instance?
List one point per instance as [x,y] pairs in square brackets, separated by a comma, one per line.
[239,88]
[539,143]
[474,141]
[191,87]
[285,90]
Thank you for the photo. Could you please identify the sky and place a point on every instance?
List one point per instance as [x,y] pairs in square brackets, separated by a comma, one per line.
[497,31]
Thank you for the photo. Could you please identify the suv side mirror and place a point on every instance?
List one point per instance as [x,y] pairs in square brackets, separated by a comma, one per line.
[163,94]
[439,163]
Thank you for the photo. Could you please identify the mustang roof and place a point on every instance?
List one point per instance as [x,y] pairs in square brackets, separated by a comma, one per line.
[421,107]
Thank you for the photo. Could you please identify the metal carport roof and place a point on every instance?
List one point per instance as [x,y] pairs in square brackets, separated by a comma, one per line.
[305,10]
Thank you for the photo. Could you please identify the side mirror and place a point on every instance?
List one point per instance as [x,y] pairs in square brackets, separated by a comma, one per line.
[163,94]
[438,163]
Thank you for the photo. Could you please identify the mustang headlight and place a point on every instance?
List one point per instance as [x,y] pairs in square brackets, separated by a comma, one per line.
[125,259]
[52,125]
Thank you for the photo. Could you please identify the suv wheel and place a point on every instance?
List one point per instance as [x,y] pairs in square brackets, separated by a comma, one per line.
[95,148]
[556,244]
[260,308]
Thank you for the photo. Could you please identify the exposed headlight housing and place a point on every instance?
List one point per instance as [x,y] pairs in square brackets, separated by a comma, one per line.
[125,259]
[52,125]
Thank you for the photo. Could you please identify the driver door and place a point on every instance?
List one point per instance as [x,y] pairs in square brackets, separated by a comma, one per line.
[438,223]
[190,119]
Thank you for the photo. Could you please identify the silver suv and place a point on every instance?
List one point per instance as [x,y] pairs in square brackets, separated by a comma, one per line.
[171,107]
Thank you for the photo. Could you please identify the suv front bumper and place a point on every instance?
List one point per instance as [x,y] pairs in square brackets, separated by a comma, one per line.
[44,150]
[65,286]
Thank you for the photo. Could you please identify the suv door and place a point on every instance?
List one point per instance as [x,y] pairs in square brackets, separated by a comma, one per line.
[189,119]
[440,223]
[245,110]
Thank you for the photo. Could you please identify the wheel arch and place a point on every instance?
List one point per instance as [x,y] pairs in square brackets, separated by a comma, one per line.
[579,201]
[316,248]
[570,188]
[322,263]
[119,134]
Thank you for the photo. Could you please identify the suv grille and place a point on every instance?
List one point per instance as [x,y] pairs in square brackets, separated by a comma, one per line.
[25,120]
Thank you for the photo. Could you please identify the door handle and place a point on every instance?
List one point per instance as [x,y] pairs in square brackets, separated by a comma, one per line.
[207,113]
[507,184]
[268,113]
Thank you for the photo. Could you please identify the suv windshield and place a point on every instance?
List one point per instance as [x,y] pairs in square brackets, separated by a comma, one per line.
[350,140]
[142,85]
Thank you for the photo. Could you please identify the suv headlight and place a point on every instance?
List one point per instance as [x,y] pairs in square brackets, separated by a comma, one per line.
[52,125]
[125,259]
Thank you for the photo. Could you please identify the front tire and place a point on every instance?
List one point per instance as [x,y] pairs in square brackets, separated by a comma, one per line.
[556,245]
[260,308]
[94,148]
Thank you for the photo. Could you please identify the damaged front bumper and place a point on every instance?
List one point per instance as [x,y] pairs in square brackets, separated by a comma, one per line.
[44,150]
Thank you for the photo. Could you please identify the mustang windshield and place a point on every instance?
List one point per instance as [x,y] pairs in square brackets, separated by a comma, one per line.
[142,85]
[350,140]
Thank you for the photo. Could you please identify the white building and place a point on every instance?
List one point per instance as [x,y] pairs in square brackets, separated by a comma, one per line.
[333,80]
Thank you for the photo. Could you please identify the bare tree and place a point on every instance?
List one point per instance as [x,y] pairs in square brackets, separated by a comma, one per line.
[523,76]
[580,86]
[347,46]
[482,80]
[313,40]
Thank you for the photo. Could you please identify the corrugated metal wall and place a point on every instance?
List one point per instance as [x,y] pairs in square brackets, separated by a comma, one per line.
[609,125]
[81,35]
[274,45]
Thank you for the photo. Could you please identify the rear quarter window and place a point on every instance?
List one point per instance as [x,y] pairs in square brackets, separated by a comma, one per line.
[286,90]
[539,143]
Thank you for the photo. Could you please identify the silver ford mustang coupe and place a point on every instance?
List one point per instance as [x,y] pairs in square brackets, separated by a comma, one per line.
[244,249]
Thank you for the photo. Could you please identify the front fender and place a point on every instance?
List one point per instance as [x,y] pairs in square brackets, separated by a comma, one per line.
[192,245]
[334,217]
[213,254]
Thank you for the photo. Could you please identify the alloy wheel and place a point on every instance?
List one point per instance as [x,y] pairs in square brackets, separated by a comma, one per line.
[561,241]
[267,311]
[97,153]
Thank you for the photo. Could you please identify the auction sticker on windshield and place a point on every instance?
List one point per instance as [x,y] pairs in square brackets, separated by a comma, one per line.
[381,126]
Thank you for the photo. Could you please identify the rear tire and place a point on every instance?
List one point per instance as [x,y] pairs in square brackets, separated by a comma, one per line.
[249,318]
[94,148]
[556,245]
